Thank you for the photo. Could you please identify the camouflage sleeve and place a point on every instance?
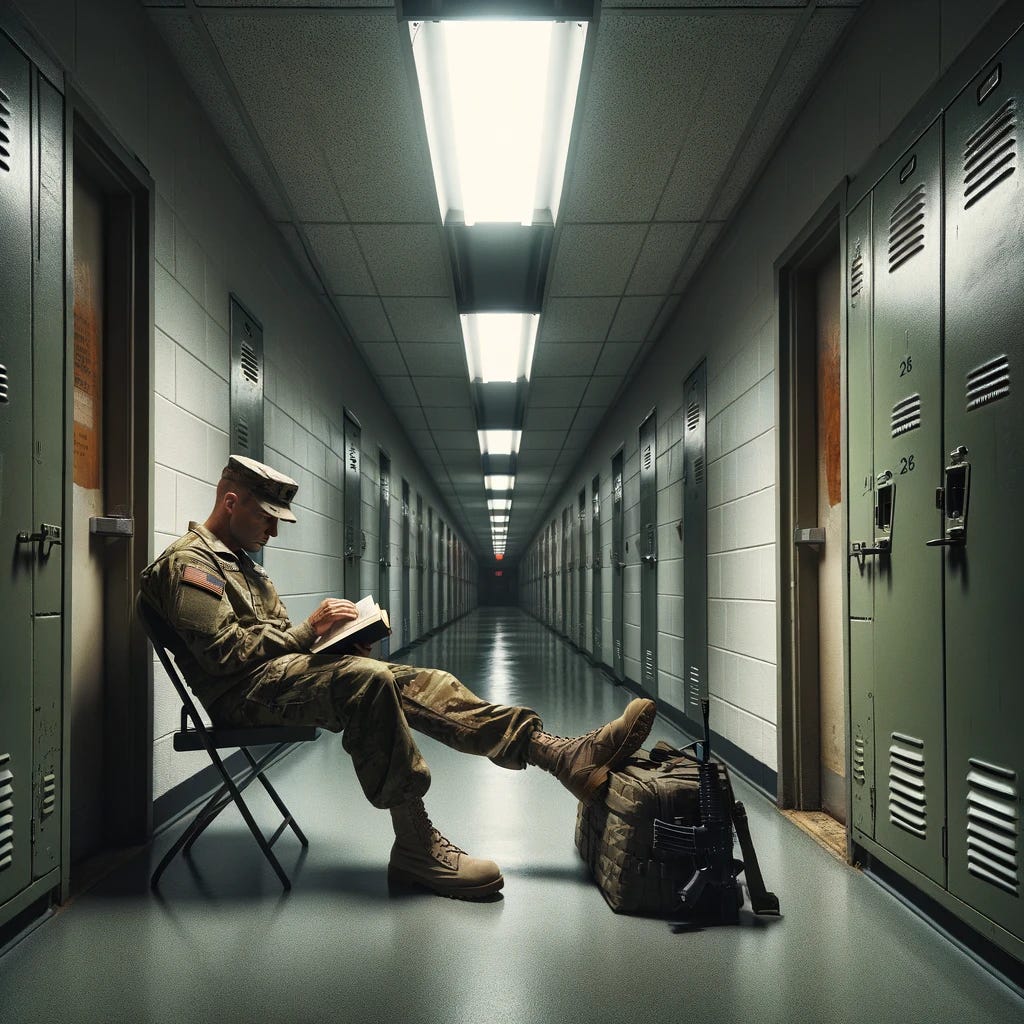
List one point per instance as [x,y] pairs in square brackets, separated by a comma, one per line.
[193,599]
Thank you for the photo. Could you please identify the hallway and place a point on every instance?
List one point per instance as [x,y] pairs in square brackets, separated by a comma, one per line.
[222,944]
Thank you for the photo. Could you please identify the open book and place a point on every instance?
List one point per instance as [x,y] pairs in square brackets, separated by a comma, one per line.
[373,624]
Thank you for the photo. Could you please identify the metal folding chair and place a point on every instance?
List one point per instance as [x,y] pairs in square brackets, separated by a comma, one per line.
[196,735]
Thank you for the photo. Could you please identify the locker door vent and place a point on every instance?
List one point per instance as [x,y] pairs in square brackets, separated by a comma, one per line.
[6,813]
[698,469]
[4,384]
[648,664]
[990,154]
[907,804]
[988,382]
[49,795]
[5,131]
[906,415]
[858,760]
[692,416]
[250,363]
[857,275]
[992,825]
[647,457]
[906,229]
[242,434]
[695,685]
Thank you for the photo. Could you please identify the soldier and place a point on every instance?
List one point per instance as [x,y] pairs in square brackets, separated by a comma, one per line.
[248,664]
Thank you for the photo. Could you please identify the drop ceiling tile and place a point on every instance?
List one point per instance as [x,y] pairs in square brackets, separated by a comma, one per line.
[383,357]
[659,259]
[704,243]
[443,391]
[539,460]
[423,440]
[365,315]
[547,419]
[398,390]
[647,78]
[746,48]
[616,358]
[634,318]
[335,250]
[411,417]
[588,417]
[568,357]
[464,462]
[291,236]
[595,259]
[601,390]
[564,393]
[432,359]
[458,418]
[574,319]
[429,319]
[542,440]
[405,259]
[456,441]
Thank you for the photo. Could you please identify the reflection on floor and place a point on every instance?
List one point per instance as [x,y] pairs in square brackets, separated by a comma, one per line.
[222,944]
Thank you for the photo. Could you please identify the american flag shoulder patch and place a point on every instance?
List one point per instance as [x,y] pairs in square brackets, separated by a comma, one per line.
[199,577]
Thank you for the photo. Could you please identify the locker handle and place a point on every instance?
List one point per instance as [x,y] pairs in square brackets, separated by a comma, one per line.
[957,538]
[649,559]
[954,501]
[860,550]
[48,536]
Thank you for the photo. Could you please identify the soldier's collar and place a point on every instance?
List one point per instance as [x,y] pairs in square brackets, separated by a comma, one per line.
[218,547]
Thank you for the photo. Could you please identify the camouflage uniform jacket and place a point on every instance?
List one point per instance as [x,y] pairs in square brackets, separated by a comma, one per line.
[224,607]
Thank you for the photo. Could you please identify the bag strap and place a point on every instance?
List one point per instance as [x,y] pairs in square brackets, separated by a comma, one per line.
[761,900]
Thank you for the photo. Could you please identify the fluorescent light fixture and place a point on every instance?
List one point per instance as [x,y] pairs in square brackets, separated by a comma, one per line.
[499,442]
[499,482]
[499,346]
[499,504]
[498,101]
[499,519]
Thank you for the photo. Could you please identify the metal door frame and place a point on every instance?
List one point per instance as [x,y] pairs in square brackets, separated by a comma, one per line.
[798,745]
[130,819]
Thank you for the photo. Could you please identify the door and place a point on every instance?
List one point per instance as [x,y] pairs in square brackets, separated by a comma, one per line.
[618,565]
[420,578]
[980,545]
[384,551]
[406,596]
[431,587]
[565,621]
[580,637]
[649,555]
[353,507]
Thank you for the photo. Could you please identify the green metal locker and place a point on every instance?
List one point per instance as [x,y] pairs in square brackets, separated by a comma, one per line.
[980,543]
[596,576]
[695,543]
[860,492]
[421,581]
[17,508]
[618,564]
[384,549]
[648,442]
[406,596]
[908,657]
[353,507]
[580,638]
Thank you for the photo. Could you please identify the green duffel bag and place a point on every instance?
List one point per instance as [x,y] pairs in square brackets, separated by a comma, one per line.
[614,835]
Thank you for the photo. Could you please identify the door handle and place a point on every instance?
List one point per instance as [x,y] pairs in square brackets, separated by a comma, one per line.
[47,537]
[649,559]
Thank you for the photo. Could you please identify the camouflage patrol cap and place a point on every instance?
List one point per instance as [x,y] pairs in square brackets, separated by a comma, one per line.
[272,490]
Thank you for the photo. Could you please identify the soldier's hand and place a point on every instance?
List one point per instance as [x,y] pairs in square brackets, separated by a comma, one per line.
[330,611]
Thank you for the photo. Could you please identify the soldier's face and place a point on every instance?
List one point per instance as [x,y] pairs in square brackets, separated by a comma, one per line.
[250,526]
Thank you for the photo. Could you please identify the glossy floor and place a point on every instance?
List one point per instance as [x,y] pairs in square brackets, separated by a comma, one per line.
[222,944]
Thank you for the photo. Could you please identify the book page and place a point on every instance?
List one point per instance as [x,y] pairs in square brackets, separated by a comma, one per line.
[367,609]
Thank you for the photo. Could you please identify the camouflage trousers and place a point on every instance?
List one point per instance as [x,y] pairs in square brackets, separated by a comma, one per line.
[374,704]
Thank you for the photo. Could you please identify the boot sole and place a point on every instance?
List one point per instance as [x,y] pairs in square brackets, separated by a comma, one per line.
[642,724]
[475,892]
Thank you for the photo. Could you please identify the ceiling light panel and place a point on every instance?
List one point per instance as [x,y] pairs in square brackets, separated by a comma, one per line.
[498,101]
[499,346]
[499,482]
[499,442]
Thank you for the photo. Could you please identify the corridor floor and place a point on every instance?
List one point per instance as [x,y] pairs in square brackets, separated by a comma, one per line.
[221,944]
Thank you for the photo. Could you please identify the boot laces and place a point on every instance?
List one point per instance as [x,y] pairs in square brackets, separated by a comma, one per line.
[434,834]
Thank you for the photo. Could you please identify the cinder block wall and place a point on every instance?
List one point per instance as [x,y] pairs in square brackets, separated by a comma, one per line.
[213,237]
[894,53]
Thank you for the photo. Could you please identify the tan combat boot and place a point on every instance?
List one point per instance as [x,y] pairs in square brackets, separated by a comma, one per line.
[582,763]
[423,857]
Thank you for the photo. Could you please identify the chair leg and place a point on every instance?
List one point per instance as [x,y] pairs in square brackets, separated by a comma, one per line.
[288,819]
[207,815]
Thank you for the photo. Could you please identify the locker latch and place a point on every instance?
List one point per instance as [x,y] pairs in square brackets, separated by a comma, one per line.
[48,536]
[952,498]
[885,511]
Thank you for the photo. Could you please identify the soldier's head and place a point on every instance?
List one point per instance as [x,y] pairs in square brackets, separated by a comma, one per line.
[251,499]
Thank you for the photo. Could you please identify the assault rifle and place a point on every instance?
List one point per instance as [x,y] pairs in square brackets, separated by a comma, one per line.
[713,894]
